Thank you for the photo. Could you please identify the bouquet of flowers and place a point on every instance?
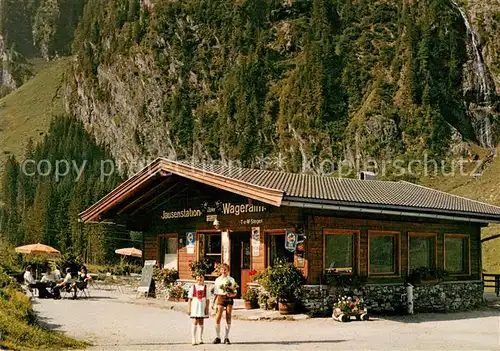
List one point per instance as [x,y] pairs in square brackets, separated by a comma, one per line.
[229,288]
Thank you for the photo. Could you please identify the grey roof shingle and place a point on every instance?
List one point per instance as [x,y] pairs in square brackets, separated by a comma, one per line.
[314,188]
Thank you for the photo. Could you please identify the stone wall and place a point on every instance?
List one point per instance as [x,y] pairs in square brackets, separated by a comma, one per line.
[392,298]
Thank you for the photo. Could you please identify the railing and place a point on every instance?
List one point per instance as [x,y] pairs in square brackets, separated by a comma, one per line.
[492,281]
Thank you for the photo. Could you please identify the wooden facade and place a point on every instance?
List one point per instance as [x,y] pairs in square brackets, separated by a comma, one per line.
[316,226]
[168,200]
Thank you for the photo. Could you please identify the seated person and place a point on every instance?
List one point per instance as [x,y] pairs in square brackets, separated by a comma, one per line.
[57,274]
[65,284]
[46,284]
[83,278]
[28,277]
[48,277]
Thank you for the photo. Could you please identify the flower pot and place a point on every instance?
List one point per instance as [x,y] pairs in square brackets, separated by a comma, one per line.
[248,305]
[286,307]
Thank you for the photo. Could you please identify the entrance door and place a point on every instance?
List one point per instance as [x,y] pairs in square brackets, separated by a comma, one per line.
[240,259]
[276,249]
[168,251]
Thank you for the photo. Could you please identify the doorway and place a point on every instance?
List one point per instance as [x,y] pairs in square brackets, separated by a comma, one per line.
[168,251]
[240,259]
[276,249]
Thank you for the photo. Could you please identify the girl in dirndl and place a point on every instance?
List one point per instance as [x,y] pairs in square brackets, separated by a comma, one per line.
[198,304]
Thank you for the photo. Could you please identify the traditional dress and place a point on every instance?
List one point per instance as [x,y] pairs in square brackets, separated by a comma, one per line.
[198,295]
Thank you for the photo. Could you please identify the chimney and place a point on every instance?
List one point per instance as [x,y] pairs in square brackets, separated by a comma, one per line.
[364,175]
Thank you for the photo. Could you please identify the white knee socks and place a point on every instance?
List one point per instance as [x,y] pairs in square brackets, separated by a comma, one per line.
[228,327]
[201,332]
[217,330]
[193,332]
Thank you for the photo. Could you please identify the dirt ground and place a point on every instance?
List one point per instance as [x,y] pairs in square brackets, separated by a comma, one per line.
[112,321]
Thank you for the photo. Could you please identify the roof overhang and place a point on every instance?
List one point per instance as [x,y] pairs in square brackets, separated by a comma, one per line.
[390,210]
[164,167]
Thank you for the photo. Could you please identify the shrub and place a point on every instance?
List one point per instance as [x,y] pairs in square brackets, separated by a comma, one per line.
[166,275]
[200,267]
[283,281]
[345,280]
[426,273]
[19,327]
[251,296]
[177,292]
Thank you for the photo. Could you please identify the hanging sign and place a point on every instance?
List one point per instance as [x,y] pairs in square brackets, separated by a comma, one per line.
[211,218]
[290,241]
[225,246]
[255,241]
[190,242]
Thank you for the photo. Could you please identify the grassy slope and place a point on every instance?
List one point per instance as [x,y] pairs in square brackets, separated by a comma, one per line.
[26,112]
[20,328]
[486,189]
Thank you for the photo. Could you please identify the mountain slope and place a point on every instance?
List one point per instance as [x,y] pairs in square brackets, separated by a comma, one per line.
[302,81]
[478,181]
[27,111]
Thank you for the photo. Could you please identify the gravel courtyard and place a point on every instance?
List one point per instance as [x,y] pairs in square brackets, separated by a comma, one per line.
[113,323]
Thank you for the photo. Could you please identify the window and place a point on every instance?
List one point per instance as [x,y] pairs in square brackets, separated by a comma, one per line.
[422,250]
[456,253]
[339,250]
[211,248]
[383,253]
[276,249]
[168,251]
[245,251]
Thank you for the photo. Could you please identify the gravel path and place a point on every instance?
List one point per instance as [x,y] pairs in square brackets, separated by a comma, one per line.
[111,323]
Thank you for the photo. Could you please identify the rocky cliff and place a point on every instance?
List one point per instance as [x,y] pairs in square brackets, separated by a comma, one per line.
[299,80]
[30,29]
[276,83]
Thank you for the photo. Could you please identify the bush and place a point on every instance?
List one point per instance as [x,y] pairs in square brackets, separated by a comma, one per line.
[426,273]
[177,292]
[200,267]
[167,276]
[19,327]
[251,296]
[345,280]
[283,281]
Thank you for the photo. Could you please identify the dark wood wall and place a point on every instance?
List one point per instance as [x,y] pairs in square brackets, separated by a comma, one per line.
[314,223]
[318,224]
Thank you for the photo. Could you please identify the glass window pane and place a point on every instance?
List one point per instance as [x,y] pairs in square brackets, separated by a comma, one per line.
[246,255]
[213,244]
[168,252]
[277,250]
[339,252]
[421,252]
[171,245]
[382,250]
[457,255]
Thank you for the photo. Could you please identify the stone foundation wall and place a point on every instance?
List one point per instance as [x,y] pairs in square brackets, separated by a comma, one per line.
[384,298]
